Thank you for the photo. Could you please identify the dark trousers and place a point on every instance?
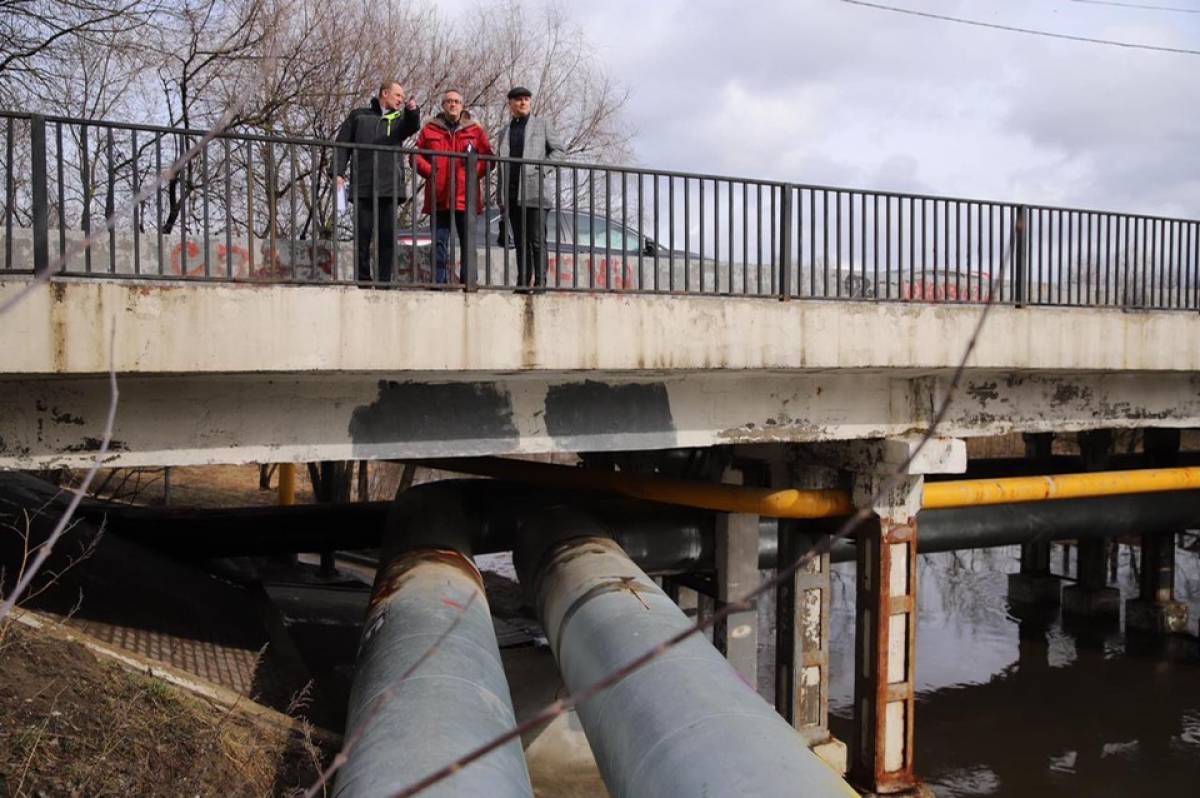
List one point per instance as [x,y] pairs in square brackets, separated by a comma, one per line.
[441,232]
[529,234]
[371,215]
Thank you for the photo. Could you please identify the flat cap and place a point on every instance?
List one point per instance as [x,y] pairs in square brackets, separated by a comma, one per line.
[519,91]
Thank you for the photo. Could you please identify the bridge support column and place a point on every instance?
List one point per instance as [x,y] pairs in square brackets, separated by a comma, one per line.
[1155,610]
[1034,584]
[885,642]
[736,635]
[1090,596]
[886,624]
[802,630]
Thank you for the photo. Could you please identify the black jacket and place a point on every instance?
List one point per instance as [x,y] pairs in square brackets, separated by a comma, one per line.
[369,126]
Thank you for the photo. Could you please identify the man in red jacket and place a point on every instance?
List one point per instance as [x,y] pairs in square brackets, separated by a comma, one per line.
[452,130]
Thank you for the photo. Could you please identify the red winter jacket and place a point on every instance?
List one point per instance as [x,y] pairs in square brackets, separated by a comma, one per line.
[436,135]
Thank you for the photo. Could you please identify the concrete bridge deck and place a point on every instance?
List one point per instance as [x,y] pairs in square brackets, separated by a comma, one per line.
[224,373]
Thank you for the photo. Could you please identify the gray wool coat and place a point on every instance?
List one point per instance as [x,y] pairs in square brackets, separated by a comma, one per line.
[541,143]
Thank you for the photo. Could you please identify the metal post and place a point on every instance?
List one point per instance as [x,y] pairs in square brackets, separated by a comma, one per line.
[736,635]
[38,187]
[785,242]
[1020,241]
[470,263]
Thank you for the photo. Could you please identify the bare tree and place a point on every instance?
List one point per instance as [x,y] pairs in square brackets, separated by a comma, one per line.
[36,34]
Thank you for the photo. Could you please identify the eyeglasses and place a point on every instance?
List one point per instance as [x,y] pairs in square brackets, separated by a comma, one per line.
[449,101]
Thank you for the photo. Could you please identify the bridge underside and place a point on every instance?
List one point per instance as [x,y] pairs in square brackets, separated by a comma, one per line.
[177,420]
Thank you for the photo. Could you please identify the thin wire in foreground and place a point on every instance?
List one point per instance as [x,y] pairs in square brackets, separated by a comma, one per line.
[1027,31]
[1176,9]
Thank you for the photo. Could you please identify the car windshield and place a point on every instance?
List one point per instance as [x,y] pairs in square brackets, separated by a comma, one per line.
[600,233]
[576,229]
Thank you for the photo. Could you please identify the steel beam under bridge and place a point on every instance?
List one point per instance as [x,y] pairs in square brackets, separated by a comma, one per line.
[194,419]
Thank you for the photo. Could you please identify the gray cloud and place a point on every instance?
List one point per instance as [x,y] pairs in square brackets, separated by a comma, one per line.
[819,91]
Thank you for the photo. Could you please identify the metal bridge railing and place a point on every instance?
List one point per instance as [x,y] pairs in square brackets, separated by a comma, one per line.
[264,208]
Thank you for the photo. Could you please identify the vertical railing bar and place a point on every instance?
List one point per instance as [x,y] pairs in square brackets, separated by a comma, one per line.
[136,211]
[314,215]
[887,245]
[875,245]
[758,255]
[10,190]
[700,216]
[181,219]
[825,241]
[39,196]
[486,198]
[62,189]
[250,206]
[935,251]
[607,234]
[158,193]
[850,237]
[687,231]
[1144,261]
[812,240]
[837,200]
[506,167]
[671,232]
[641,233]
[1057,222]
[1123,258]
[85,219]
[958,253]
[1177,250]
[1106,294]
[967,254]
[785,240]
[730,237]
[654,225]
[470,250]
[946,248]
[204,208]
[912,246]
[745,238]
[334,238]
[270,176]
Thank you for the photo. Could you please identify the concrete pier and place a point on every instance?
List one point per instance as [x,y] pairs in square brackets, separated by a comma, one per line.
[1090,596]
[1155,611]
[1034,584]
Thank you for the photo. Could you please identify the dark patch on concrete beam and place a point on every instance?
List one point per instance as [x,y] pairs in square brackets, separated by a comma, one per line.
[444,415]
[90,444]
[637,413]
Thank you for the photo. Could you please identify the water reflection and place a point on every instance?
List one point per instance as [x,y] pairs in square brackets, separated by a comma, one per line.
[1014,702]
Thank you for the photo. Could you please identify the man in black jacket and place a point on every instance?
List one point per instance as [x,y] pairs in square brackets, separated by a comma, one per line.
[377,176]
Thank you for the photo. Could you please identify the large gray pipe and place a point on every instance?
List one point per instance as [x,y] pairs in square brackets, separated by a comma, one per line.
[455,700]
[685,724]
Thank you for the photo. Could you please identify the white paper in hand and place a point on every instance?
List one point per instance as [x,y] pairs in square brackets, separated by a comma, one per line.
[341,200]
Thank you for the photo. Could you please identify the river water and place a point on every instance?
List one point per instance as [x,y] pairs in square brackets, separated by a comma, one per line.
[1030,704]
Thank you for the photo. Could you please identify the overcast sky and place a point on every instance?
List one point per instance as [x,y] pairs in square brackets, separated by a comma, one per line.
[821,91]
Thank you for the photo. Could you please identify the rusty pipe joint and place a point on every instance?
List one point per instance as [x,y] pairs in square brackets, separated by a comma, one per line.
[429,684]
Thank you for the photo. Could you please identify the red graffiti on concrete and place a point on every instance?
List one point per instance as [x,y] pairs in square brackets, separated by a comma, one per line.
[301,260]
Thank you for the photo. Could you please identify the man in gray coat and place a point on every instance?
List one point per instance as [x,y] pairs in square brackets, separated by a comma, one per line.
[523,190]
